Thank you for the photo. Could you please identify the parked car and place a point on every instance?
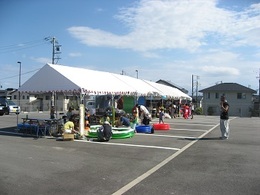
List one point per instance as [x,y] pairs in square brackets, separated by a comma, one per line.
[8,106]
[12,107]
[3,107]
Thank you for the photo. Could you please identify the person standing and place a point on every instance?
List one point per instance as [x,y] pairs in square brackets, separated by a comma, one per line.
[120,103]
[69,113]
[52,113]
[224,118]
[161,116]
[191,109]
[186,110]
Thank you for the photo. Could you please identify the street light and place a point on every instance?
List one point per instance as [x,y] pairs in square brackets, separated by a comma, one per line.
[20,67]
[136,73]
[20,73]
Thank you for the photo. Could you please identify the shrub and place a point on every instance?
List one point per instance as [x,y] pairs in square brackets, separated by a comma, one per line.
[198,111]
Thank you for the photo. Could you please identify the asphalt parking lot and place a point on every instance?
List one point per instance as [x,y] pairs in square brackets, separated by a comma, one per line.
[187,159]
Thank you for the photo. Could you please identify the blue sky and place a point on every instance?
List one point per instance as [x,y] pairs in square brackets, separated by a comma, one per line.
[216,40]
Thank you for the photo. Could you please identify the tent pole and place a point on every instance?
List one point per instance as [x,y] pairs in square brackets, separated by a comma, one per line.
[81,115]
[113,111]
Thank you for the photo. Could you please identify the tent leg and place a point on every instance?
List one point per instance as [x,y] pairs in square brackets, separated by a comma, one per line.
[113,111]
[81,119]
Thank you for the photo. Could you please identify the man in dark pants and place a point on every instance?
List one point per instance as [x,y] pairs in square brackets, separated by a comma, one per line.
[224,118]
[104,132]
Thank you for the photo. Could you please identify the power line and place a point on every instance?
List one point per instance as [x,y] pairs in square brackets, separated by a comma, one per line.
[21,46]
[18,75]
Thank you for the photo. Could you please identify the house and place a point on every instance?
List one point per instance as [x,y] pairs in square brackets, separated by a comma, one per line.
[240,99]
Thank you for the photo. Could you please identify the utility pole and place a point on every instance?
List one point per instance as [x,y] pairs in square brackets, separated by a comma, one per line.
[19,85]
[56,49]
[194,87]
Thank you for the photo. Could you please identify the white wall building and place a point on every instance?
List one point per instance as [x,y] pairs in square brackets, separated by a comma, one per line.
[240,99]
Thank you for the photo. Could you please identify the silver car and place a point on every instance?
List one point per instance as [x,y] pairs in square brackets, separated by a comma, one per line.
[12,107]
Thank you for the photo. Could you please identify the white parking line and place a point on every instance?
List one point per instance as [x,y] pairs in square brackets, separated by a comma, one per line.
[157,135]
[188,130]
[130,145]
[158,166]
[191,124]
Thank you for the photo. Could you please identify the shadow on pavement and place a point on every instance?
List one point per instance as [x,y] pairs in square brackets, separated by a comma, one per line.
[206,138]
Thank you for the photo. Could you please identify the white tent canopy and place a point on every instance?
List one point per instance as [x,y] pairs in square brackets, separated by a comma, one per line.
[70,79]
[139,85]
[61,78]
[169,91]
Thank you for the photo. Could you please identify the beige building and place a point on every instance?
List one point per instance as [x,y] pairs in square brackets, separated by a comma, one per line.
[240,99]
[44,101]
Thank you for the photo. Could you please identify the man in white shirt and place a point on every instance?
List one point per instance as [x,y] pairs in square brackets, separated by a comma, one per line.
[144,115]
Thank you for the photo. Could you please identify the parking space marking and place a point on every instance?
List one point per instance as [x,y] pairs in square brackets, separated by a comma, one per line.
[188,130]
[169,136]
[130,145]
[192,124]
[158,166]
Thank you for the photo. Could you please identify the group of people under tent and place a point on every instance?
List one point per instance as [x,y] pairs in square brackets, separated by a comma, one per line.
[140,115]
[173,109]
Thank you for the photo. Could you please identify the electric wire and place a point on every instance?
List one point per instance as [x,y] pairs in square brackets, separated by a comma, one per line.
[22,46]
[14,76]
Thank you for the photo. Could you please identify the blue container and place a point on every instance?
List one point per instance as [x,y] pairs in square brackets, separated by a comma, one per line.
[143,129]
[27,128]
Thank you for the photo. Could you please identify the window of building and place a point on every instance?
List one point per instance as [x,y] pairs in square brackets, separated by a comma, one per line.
[28,97]
[47,97]
[208,95]
[217,95]
[241,96]
[23,97]
[15,97]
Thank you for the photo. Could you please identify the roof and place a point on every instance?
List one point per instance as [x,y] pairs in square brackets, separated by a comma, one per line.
[172,85]
[231,87]
[169,91]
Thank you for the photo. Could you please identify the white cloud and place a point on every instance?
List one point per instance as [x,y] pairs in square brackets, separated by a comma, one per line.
[41,60]
[176,24]
[220,71]
[76,54]
[99,9]
[218,57]
[185,38]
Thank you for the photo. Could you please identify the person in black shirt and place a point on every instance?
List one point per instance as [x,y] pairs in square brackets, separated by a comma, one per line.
[224,118]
